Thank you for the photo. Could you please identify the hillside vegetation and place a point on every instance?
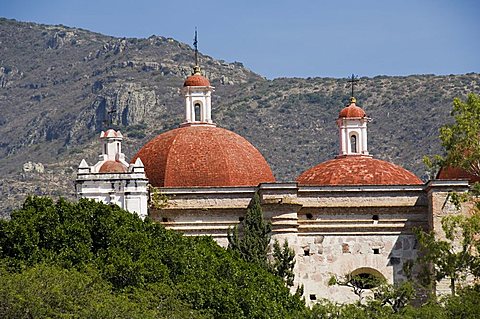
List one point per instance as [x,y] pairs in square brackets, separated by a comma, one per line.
[58,84]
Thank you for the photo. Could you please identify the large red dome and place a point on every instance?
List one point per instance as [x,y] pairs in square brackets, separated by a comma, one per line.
[357,170]
[200,155]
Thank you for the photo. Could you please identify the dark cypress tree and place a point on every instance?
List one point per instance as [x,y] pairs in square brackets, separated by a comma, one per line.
[252,238]
[283,262]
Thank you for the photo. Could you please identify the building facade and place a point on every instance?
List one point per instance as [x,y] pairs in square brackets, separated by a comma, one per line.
[353,214]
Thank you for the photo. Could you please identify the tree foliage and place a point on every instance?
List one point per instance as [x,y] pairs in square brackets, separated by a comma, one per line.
[89,260]
[462,305]
[460,139]
[100,251]
[253,242]
[456,256]
[283,262]
[358,283]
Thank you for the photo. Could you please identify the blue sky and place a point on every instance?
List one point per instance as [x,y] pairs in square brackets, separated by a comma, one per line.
[294,38]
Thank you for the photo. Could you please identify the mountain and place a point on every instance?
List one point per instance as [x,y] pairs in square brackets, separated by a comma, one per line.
[58,86]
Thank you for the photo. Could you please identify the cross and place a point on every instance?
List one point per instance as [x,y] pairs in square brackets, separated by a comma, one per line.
[195,44]
[109,121]
[353,80]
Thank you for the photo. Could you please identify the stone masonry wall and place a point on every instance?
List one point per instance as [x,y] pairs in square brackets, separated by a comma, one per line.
[320,257]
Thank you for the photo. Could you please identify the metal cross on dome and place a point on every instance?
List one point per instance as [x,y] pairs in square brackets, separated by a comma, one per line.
[195,44]
[110,116]
[353,80]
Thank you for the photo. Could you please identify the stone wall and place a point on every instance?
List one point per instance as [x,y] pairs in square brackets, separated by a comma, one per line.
[333,230]
[320,257]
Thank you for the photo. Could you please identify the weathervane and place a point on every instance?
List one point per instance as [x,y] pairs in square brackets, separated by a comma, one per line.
[353,80]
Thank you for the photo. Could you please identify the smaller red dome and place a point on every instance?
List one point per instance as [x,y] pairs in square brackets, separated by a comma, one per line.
[112,167]
[352,111]
[196,80]
[357,170]
[449,172]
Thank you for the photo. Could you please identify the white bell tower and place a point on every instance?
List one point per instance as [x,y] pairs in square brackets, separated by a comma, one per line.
[352,126]
[198,99]
[198,95]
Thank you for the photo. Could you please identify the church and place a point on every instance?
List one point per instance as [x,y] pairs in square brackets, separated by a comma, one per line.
[353,214]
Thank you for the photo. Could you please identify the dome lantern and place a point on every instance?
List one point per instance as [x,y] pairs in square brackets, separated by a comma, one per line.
[352,130]
[198,95]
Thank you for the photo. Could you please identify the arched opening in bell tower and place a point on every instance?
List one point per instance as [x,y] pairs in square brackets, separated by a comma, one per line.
[198,111]
[353,143]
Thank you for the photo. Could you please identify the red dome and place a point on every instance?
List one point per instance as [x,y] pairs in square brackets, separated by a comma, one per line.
[112,167]
[457,173]
[200,155]
[357,170]
[196,80]
[352,111]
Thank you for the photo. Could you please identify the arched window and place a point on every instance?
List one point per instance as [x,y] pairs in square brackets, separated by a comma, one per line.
[353,144]
[197,112]
[366,278]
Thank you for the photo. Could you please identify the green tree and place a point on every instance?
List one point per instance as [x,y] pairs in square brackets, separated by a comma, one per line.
[358,283]
[283,262]
[253,242]
[138,264]
[395,296]
[460,139]
[456,256]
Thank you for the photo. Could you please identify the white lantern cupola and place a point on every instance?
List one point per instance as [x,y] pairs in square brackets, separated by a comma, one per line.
[198,99]
[352,127]
[198,95]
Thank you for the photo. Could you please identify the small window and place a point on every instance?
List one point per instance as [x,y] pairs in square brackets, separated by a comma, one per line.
[375,218]
[306,251]
[197,112]
[353,143]
[313,297]
[241,219]
[104,148]
[164,220]
[309,216]
[376,251]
